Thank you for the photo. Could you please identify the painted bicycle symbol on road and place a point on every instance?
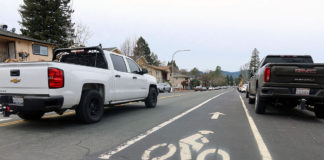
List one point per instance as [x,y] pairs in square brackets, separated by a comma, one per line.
[193,143]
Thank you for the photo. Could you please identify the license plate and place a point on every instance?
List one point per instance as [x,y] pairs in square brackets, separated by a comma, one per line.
[302,91]
[18,100]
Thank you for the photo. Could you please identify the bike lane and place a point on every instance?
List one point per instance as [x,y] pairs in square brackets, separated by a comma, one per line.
[218,129]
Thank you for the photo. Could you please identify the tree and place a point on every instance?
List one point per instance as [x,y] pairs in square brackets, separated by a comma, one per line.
[254,62]
[48,21]
[231,81]
[82,35]
[127,48]
[245,76]
[175,67]
[194,83]
[154,60]
[185,83]
[195,72]
[218,71]
[183,71]
[141,49]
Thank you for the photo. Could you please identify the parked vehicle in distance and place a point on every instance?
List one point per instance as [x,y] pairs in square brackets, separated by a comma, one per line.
[164,87]
[289,81]
[204,89]
[81,79]
[243,88]
[198,88]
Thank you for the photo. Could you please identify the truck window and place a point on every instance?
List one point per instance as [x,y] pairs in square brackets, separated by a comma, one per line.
[119,63]
[91,58]
[133,66]
[287,59]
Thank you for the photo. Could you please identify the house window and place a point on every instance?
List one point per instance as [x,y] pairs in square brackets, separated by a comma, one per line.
[157,73]
[40,50]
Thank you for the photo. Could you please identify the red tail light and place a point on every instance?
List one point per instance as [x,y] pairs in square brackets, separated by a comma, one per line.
[55,78]
[267,72]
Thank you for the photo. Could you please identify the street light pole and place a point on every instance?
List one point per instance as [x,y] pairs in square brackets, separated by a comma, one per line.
[172,63]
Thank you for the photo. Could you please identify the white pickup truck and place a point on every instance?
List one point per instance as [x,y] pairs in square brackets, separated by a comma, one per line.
[83,79]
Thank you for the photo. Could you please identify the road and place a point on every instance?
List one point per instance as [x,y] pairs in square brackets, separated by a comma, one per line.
[194,125]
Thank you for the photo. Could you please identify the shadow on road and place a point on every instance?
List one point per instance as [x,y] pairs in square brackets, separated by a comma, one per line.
[70,121]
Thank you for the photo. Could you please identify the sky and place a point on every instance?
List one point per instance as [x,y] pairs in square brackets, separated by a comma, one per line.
[218,32]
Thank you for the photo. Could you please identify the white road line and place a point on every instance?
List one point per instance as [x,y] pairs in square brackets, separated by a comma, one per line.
[257,136]
[152,130]
[5,119]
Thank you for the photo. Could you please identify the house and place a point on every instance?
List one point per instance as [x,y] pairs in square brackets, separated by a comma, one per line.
[22,48]
[112,49]
[161,73]
[178,79]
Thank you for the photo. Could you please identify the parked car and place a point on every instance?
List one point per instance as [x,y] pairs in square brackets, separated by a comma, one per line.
[243,88]
[204,89]
[164,87]
[288,80]
[81,79]
[198,88]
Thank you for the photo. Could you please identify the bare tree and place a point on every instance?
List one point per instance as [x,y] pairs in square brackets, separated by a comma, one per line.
[245,72]
[127,48]
[82,35]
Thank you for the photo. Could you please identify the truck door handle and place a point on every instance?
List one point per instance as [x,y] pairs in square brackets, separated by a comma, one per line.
[134,77]
[118,76]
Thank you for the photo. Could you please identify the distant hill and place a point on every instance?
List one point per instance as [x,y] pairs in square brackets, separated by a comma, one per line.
[233,74]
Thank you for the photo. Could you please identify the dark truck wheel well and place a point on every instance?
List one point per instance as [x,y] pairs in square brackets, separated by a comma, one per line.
[153,85]
[95,86]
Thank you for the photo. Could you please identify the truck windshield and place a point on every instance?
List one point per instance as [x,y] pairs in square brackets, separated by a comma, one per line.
[287,59]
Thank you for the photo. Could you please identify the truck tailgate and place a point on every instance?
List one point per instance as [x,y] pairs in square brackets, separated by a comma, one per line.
[297,73]
[24,78]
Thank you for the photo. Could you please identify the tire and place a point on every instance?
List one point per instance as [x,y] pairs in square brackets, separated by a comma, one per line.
[319,111]
[251,100]
[32,115]
[91,107]
[247,95]
[151,100]
[260,104]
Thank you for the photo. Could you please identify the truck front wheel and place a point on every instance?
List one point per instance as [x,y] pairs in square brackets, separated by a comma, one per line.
[91,107]
[260,104]
[32,115]
[151,99]
[319,111]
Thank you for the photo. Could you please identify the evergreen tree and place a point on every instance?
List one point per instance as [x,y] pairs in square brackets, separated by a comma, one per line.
[48,20]
[195,72]
[255,61]
[175,66]
[231,81]
[142,49]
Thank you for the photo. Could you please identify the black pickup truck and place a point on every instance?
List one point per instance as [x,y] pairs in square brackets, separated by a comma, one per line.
[288,81]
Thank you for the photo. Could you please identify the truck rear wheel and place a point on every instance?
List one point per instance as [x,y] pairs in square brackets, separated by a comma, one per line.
[319,111]
[31,115]
[260,104]
[91,107]
[251,100]
[151,99]
[247,94]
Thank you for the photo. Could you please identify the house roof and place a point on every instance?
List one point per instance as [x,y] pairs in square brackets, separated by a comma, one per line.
[112,49]
[162,68]
[18,36]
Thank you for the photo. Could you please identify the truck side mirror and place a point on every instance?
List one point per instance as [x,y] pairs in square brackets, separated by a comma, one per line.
[144,71]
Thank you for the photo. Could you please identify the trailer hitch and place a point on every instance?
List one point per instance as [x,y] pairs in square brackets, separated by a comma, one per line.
[303,104]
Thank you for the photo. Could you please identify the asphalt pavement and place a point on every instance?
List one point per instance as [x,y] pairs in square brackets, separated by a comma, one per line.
[194,125]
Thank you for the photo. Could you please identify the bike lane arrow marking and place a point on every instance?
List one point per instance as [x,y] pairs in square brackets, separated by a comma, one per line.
[216,115]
